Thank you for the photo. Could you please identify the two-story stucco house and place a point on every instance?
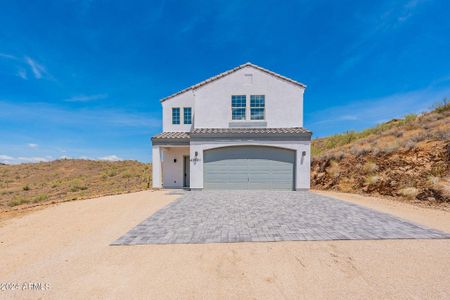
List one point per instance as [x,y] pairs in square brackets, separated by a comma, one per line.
[242,129]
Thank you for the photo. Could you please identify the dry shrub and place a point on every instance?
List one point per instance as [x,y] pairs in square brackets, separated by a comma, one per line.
[409,192]
[370,167]
[374,179]
[359,150]
[333,170]
[346,185]
[433,180]
[391,147]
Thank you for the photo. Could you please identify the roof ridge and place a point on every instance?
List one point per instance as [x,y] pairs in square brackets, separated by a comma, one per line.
[223,74]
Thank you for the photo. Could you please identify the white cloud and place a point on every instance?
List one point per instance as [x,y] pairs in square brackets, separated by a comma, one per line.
[7,56]
[33,146]
[6,157]
[86,98]
[111,158]
[22,74]
[37,69]
[33,159]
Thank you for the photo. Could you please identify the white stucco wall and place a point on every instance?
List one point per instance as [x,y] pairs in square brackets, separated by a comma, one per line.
[173,175]
[283,100]
[181,101]
[211,103]
[302,164]
[156,167]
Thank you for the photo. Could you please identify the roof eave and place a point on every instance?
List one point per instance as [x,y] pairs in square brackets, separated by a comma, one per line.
[221,75]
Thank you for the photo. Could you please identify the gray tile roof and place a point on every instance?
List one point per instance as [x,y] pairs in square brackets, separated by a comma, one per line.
[183,138]
[172,135]
[253,131]
[232,71]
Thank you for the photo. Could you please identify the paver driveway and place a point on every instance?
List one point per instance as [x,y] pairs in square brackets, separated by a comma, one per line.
[242,216]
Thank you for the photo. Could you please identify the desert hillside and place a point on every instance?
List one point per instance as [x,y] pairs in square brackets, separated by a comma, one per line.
[69,179]
[405,158]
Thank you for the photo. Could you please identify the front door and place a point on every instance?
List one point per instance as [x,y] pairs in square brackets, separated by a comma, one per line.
[186,170]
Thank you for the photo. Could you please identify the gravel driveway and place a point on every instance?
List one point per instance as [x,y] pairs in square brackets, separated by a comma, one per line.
[261,216]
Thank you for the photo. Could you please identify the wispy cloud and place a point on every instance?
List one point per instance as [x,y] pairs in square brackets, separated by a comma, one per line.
[7,56]
[86,98]
[22,74]
[32,146]
[37,69]
[33,159]
[111,158]
[375,27]
[5,157]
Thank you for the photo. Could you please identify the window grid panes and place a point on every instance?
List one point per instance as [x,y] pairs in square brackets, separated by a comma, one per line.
[257,107]
[175,115]
[187,115]
[238,106]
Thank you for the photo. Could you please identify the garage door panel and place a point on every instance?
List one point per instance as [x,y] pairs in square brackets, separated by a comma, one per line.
[249,167]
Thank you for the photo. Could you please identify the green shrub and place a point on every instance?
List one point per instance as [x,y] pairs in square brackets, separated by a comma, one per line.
[26,188]
[442,106]
[18,201]
[372,179]
[40,198]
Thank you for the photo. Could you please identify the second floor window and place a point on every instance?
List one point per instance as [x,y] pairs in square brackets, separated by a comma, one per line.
[257,107]
[187,115]
[238,106]
[175,115]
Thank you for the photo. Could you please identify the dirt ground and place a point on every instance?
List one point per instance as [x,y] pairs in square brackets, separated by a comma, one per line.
[67,247]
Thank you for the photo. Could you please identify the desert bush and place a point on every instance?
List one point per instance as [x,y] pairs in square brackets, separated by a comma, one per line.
[18,201]
[373,179]
[409,144]
[409,192]
[338,155]
[333,170]
[26,188]
[370,167]
[439,169]
[442,106]
[78,186]
[391,147]
[409,118]
[40,198]
[359,150]
[346,185]
[432,180]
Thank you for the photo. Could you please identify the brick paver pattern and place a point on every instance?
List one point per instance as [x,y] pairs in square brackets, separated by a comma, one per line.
[261,216]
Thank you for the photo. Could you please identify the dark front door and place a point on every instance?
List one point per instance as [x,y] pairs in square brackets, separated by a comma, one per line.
[186,169]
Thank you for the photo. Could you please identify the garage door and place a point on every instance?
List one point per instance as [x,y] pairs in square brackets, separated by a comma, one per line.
[249,167]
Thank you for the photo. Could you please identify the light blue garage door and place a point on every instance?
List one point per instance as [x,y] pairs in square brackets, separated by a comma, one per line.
[249,167]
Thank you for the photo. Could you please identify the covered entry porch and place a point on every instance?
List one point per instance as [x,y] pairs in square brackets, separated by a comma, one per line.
[170,160]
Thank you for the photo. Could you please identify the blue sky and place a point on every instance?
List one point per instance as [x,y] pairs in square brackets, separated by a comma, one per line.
[83,79]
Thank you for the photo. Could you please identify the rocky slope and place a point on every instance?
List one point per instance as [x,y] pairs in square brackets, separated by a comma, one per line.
[406,158]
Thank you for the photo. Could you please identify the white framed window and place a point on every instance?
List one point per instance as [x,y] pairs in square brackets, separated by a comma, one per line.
[175,115]
[187,115]
[257,107]
[238,107]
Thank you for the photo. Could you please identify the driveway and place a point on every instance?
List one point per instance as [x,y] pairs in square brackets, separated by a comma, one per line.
[262,216]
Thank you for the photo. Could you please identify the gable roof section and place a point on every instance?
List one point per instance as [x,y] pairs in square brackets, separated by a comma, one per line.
[214,78]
